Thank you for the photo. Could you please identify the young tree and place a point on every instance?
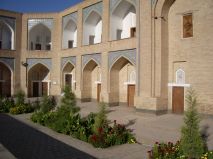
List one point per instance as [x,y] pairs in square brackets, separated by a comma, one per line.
[191,141]
[100,119]
[68,102]
[20,95]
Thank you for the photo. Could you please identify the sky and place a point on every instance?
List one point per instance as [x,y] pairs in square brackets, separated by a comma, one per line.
[29,6]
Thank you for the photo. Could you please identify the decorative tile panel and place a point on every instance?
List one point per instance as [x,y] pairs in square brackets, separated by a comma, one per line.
[65,60]
[98,7]
[115,3]
[10,21]
[46,62]
[33,22]
[72,16]
[128,54]
[86,58]
[10,62]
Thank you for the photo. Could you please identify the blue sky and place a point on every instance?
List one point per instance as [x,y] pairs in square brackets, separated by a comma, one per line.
[37,5]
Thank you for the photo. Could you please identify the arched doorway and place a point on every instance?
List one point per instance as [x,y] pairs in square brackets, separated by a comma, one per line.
[92,29]
[5,80]
[123,21]
[6,36]
[40,38]
[38,81]
[68,76]
[69,35]
[122,83]
[91,82]
[175,96]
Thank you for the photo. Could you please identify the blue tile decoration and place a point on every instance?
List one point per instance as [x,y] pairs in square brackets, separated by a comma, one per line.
[86,58]
[65,60]
[98,7]
[115,3]
[72,16]
[44,61]
[10,62]
[128,54]
[10,21]
[33,22]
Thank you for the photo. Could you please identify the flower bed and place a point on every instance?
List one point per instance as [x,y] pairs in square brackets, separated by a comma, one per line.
[172,151]
[94,128]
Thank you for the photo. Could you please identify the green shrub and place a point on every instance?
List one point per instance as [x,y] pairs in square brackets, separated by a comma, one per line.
[47,104]
[100,119]
[20,95]
[191,140]
[20,109]
[68,102]
[6,104]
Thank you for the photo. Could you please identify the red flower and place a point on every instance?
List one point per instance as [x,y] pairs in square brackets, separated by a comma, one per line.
[100,130]
[94,137]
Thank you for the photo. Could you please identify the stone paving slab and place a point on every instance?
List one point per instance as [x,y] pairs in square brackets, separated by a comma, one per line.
[5,154]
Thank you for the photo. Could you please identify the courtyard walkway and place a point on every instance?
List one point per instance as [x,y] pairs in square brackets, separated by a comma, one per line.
[25,139]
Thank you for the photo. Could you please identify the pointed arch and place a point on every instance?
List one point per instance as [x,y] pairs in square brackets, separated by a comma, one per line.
[8,41]
[92,28]
[123,20]
[69,34]
[68,75]
[90,63]
[6,81]
[119,80]
[90,77]
[39,37]
[38,80]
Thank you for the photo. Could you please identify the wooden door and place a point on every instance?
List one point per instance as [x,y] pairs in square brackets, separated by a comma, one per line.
[98,92]
[130,95]
[44,88]
[68,80]
[35,89]
[178,100]
[1,93]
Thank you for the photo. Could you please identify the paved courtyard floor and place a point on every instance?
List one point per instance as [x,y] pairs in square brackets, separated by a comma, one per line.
[22,138]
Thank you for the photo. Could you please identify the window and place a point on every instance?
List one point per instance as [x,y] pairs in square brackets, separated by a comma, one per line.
[133,32]
[48,47]
[187,26]
[31,46]
[37,39]
[91,39]
[38,46]
[1,75]
[180,76]
[119,34]
[70,43]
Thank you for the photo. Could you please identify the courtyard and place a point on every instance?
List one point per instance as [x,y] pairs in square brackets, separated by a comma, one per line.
[25,139]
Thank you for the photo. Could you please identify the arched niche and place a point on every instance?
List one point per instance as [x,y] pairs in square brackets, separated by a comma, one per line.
[69,35]
[39,37]
[92,26]
[7,36]
[38,80]
[123,21]
[120,74]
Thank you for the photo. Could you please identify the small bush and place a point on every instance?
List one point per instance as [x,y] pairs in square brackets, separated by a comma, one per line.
[6,104]
[20,98]
[25,108]
[100,119]
[47,104]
